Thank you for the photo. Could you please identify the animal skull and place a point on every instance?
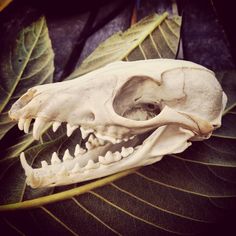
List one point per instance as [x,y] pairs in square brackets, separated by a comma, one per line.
[130,114]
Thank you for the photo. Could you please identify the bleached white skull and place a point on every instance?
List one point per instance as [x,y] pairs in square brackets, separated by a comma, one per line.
[130,114]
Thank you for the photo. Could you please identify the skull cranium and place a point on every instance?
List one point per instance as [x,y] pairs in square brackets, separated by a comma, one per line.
[130,114]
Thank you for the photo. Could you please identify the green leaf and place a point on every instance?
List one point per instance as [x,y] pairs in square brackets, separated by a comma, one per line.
[155,36]
[29,62]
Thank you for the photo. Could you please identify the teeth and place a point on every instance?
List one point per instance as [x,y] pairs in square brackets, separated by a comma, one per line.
[109,157]
[63,171]
[132,137]
[126,151]
[27,125]
[21,123]
[67,156]
[56,125]
[137,147]
[91,165]
[71,129]
[38,127]
[55,159]
[110,139]
[126,139]
[85,133]
[44,164]
[76,169]
[89,146]
[79,150]
[117,156]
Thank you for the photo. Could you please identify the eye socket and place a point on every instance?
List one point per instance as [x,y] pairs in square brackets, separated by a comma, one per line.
[137,99]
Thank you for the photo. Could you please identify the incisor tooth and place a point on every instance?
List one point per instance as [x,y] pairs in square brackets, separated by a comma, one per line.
[27,125]
[56,125]
[39,124]
[67,156]
[44,164]
[21,123]
[70,129]
[55,159]
[91,165]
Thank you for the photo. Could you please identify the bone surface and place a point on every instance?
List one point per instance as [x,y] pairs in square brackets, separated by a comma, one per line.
[129,114]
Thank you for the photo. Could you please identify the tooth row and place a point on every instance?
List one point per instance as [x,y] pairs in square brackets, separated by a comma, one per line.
[40,123]
[107,159]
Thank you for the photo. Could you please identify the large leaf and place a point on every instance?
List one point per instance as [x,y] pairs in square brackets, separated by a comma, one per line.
[154,36]
[182,194]
[27,63]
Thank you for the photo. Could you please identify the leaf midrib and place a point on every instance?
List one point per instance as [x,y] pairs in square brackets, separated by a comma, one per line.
[23,68]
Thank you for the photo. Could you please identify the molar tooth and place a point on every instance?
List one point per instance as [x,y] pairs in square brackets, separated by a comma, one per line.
[55,159]
[118,140]
[67,156]
[137,147]
[27,125]
[55,126]
[79,150]
[71,129]
[44,164]
[91,165]
[117,156]
[63,171]
[89,146]
[21,123]
[101,159]
[126,151]
[76,169]
[109,156]
[85,133]
[38,127]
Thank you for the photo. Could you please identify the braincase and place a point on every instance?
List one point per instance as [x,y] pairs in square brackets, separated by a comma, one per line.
[201,90]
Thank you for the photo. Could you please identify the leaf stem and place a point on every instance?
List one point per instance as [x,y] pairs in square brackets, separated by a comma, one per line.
[66,194]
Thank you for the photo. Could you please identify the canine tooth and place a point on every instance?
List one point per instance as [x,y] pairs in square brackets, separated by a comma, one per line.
[38,127]
[63,171]
[117,156]
[71,129]
[28,169]
[91,165]
[27,125]
[56,125]
[88,145]
[21,123]
[76,169]
[44,164]
[67,155]
[55,159]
